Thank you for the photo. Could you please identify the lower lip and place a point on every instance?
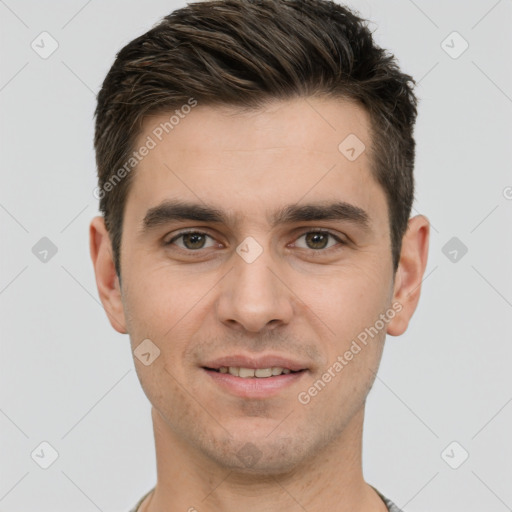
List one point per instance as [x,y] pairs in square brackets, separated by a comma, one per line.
[254,387]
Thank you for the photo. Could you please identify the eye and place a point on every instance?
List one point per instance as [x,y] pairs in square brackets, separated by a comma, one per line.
[192,240]
[318,239]
[195,240]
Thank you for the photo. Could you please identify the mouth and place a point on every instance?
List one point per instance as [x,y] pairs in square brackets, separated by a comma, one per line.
[257,373]
[247,377]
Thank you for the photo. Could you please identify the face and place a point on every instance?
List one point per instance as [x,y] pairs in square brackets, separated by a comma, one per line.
[289,269]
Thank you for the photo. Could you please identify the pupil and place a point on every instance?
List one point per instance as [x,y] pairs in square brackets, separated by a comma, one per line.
[315,237]
[195,236]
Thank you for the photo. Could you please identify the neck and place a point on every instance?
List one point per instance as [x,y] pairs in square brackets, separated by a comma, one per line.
[333,480]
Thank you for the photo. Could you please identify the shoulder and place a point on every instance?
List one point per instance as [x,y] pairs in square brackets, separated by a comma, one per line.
[136,507]
[391,506]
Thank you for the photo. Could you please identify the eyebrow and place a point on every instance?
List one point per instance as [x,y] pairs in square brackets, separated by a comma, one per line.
[178,210]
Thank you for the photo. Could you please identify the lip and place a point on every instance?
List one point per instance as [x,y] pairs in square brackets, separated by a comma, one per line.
[254,387]
[263,361]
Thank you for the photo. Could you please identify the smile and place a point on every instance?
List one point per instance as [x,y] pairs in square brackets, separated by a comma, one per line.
[254,383]
[248,373]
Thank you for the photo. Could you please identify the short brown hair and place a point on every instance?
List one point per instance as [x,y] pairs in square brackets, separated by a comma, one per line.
[244,53]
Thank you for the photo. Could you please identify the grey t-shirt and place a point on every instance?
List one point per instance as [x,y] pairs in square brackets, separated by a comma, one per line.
[391,506]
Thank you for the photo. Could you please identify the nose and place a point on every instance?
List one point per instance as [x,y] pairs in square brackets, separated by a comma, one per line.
[254,295]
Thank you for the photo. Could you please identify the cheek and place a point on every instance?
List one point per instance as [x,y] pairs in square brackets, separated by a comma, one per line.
[156,299]
[348,299]
[352,338]
[168,309]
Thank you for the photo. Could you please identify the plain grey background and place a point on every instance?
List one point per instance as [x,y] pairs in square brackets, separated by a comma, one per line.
[68,379]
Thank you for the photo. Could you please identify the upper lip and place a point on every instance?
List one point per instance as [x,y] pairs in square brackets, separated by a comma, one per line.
[255,362]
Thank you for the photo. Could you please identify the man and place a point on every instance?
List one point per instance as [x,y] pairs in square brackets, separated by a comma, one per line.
[255,163]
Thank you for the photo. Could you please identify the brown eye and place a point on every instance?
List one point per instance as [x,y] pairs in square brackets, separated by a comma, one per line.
[318,240]
[192,240]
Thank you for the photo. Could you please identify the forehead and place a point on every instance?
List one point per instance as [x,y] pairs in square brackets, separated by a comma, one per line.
[313,123]
[289,151]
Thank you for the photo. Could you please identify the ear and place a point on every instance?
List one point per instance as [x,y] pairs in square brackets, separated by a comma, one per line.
[409,275]
[107,280]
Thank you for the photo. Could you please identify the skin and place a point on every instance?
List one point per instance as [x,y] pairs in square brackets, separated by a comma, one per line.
[298,299]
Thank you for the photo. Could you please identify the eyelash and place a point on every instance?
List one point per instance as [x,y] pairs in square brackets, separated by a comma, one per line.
[195,232]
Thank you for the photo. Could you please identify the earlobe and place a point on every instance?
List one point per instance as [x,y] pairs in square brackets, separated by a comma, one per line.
[107,280]
[409,275]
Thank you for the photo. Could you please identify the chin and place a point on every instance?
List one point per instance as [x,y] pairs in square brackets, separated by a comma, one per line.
[259,456]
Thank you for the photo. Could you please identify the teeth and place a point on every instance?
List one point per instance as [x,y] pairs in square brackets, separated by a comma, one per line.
[264,372]
[247,373]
